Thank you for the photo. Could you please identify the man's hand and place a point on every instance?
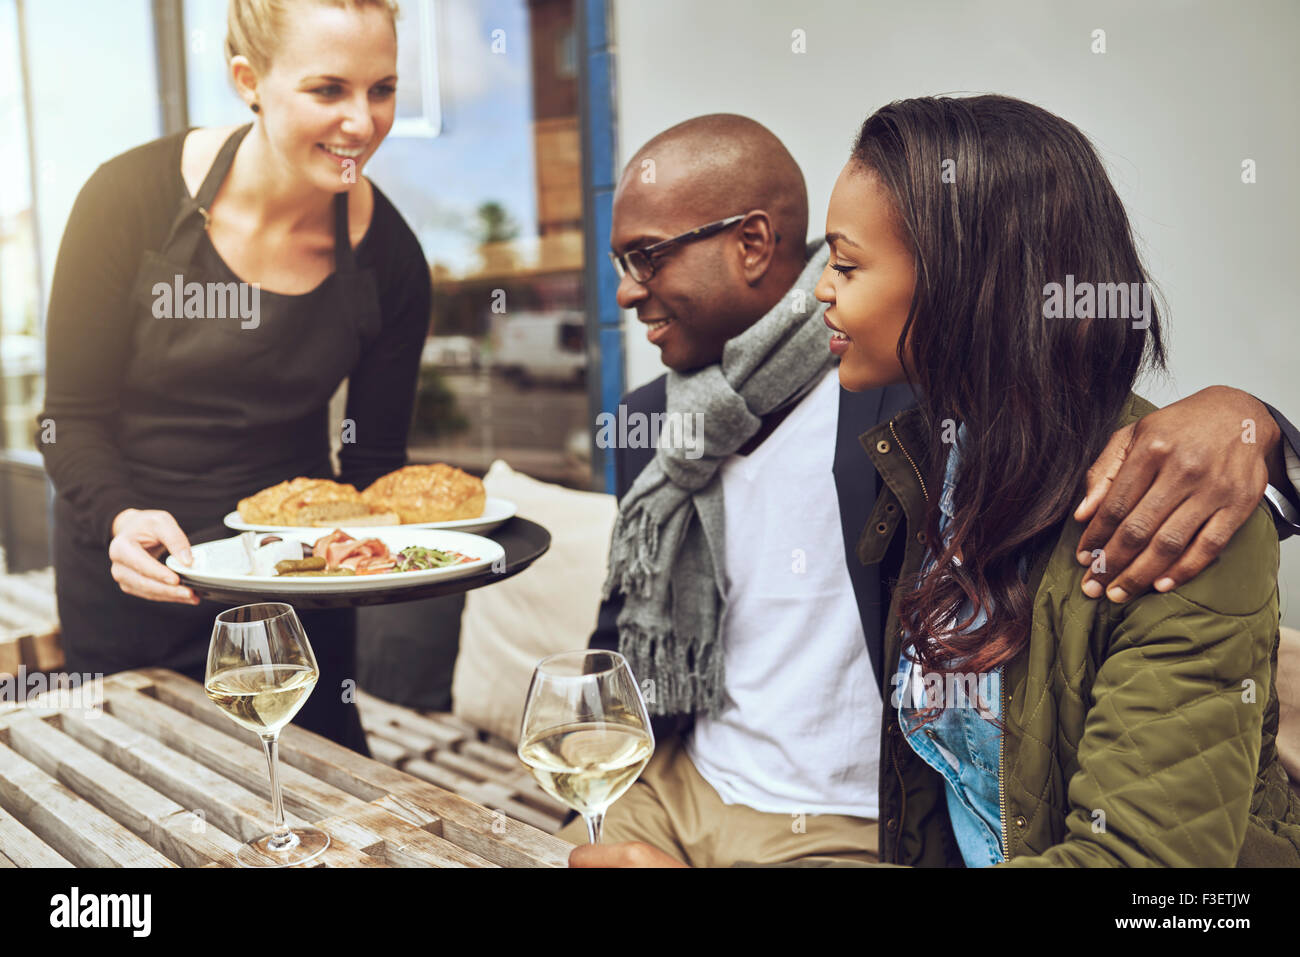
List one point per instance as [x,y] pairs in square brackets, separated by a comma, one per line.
[628,854]
[1169,492]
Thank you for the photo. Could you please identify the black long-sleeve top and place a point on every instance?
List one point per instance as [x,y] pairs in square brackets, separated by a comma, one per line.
[126,207]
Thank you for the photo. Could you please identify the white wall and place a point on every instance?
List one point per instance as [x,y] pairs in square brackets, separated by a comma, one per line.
[1184,92]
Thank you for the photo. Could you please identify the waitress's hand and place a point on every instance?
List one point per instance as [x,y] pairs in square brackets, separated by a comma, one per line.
[139,538]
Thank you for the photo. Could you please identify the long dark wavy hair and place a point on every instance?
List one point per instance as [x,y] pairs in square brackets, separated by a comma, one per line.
[998,198]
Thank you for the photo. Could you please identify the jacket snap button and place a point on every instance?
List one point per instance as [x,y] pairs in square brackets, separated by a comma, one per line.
[920,537]
[929,733]
[1020,820]
[891,508]
[882,447]
[882,528]
[891,825]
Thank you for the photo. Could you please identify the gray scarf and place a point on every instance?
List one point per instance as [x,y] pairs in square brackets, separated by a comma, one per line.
[666,555]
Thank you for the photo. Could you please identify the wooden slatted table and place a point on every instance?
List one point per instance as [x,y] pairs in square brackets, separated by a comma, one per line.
[29,623]
[158,777]
[453,754]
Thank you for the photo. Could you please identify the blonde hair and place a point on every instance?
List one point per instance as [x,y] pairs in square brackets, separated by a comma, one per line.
[254,27]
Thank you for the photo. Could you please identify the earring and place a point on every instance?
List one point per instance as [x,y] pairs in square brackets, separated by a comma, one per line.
[255,108]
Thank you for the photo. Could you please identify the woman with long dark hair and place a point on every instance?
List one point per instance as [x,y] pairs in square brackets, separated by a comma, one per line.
[979,252]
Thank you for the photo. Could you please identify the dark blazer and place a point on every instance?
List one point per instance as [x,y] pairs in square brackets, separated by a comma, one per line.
[856,482]
[1292,436]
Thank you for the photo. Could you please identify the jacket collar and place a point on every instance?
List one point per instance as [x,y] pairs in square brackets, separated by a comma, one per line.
[898,450]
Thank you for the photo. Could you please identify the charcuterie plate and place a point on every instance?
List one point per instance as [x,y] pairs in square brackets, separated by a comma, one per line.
[222,569]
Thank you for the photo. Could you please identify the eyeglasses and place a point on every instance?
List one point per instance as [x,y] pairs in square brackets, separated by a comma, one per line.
[639,263]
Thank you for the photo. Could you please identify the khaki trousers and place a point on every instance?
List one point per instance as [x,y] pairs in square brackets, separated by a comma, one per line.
[671,807]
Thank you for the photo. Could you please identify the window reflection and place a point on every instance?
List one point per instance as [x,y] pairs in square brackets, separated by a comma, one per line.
[21,361]
[504,370]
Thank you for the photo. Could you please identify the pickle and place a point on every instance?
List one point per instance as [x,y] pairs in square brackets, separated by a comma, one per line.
[294,565]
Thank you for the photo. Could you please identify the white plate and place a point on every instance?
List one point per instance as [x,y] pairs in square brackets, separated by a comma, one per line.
[495,511]
[222,563]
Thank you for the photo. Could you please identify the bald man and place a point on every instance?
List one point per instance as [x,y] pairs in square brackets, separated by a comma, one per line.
[699,172]
[767,696]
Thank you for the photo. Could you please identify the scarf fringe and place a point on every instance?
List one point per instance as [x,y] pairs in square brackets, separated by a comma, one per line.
[635,573]
[661,665]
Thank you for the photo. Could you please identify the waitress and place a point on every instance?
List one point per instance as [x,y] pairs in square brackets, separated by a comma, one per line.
[164,419]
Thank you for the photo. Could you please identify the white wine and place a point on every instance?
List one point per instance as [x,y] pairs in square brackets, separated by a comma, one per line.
[262,698]
[587,765]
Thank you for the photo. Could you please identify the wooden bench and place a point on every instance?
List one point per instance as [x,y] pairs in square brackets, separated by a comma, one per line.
[453,754]
[29,623]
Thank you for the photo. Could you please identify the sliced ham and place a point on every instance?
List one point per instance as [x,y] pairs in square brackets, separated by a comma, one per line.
[319,550]
[351,553]
[365,557]
[375,566]
[337,555]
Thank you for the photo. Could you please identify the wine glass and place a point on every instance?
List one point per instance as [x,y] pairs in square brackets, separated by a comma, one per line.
[585,733]
[260,671]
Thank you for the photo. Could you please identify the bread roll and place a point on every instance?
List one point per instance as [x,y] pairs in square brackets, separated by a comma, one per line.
[428,493]
[261,508]
[303,501]
[321,501]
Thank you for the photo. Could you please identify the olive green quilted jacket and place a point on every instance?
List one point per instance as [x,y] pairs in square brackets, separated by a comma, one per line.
[1137,735]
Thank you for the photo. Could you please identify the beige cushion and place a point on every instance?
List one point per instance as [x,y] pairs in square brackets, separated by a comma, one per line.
[552,606]
[1288,694]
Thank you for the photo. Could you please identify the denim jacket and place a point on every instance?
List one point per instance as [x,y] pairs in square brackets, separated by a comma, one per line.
[961,744]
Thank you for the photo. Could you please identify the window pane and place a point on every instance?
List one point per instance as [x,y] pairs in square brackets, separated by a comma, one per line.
[497,203]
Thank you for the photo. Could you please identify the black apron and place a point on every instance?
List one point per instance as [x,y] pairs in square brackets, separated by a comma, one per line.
[212,410]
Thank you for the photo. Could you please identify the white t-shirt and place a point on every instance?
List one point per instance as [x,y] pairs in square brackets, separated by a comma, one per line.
[800,731]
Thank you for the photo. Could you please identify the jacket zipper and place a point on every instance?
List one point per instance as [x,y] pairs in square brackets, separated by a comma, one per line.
[898,771]
[1002,760]
[907,455]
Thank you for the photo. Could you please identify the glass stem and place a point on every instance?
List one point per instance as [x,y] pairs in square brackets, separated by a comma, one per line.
[595,820]
[281,838]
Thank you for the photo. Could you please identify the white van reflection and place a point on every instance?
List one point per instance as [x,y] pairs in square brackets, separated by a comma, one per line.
[540,347]
[450,352]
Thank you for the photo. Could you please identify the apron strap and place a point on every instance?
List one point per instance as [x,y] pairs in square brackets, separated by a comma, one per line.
[220,166]
[183,237]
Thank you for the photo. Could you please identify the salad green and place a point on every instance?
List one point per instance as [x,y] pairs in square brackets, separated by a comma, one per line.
[416,558]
